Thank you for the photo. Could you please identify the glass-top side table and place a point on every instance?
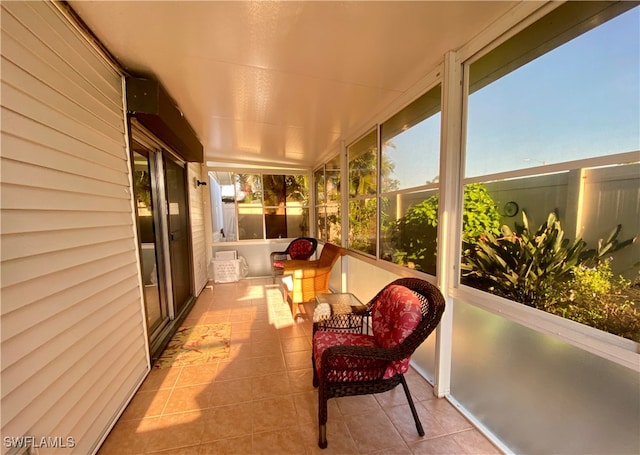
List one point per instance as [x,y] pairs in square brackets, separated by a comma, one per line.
[339,312]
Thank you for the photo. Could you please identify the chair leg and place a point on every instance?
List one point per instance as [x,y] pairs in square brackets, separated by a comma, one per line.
[315,373]
[412,406]
[322,441]
[322,417]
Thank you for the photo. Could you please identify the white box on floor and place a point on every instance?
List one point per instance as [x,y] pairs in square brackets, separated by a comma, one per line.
[230,254]
[226,270]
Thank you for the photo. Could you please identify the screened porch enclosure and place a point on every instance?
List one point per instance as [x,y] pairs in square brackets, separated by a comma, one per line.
[515,115]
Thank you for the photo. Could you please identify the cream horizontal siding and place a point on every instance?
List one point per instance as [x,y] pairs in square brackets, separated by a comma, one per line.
[60,144]
[73,340]
[60,353]
[43,242]
[196,207]
[65,55]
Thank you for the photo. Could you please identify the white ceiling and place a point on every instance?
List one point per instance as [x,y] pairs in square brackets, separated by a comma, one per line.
[282,83]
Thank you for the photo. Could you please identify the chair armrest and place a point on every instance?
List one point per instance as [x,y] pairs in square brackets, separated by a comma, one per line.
[296,264]
[312,272]
[278,256]
[360,363]
[361,352]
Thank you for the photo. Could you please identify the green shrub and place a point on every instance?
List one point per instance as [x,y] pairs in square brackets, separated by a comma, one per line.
[522,265]
[480,214]
[605,247]
[597,298]
[362,225]
[415,233]
[544,270]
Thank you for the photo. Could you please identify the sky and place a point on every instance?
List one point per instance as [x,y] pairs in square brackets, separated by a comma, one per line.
[580,100]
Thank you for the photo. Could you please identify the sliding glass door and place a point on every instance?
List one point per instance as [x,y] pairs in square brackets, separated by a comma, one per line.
[162,216]
[178,222]
[147,203]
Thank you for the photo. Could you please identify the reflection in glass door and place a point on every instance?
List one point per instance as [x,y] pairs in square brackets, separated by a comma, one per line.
[156,307]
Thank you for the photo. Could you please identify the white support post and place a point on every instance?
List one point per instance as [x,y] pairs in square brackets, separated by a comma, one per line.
[344,203]
[449,219]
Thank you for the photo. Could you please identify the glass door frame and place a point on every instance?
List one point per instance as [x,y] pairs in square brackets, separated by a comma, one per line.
[176,266]
[141,136]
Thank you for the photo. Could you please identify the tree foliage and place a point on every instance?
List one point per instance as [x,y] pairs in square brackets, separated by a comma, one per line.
[363,223]
[415,233]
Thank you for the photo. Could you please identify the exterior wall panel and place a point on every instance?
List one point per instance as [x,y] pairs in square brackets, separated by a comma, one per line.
[197,215]
[73,340]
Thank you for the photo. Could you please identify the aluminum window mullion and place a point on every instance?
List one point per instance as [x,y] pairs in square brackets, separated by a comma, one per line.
[378,187]
[449,219]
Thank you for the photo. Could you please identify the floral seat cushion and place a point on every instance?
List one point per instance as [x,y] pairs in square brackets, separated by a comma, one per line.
[395,315]
[344,368]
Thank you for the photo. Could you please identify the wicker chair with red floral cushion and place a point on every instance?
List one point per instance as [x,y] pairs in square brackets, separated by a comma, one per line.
[301,248]
[403,314]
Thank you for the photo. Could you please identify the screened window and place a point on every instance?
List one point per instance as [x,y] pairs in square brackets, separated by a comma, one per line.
[551,154]
[363,184]
[409,184]
[249,206]
[259,206]
[286,206]
[327,185]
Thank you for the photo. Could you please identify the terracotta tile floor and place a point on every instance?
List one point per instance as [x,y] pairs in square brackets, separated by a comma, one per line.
[261,400]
